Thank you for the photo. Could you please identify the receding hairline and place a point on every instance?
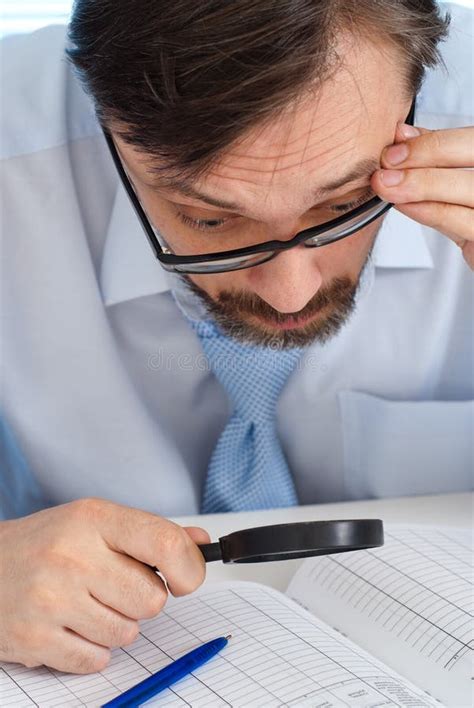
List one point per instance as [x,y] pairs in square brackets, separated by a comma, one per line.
[172,81]
[184,184]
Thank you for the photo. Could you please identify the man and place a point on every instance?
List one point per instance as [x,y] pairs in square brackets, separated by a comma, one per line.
[255,371]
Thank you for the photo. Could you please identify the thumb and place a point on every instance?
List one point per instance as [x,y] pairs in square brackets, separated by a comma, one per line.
[197,534]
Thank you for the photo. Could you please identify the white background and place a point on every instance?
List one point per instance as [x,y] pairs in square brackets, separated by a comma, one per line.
[18,16]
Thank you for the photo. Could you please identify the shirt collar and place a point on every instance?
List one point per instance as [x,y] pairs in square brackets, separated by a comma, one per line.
[401,243]
[129,269]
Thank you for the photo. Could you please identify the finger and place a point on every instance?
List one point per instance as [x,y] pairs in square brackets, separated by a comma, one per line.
[92,620]
[157,542]
[66,651]
[429,184]
[128,587]
[454,221]
[435,148]
[406,131]
[79,656]
[197,534]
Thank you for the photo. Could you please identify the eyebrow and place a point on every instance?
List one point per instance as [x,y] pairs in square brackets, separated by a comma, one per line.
[363,169]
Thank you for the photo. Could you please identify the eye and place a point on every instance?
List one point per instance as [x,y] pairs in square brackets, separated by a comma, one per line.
[202,224]
[218,224]
[364,197]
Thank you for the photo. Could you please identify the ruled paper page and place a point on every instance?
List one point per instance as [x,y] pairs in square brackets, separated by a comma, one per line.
[410,603]
[279,655]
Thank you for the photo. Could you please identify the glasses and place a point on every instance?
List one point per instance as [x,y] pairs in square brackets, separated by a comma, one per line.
[248,256]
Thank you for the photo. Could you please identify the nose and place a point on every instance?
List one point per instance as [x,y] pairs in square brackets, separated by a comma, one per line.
[288,281]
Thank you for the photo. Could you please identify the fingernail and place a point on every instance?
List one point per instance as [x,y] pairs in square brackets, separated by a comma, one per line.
[391,178]
[397,153]
[408,131]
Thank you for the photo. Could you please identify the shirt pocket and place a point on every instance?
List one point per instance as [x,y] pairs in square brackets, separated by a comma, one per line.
[398,448]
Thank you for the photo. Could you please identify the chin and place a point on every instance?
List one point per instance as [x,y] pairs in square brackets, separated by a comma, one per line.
[287,334]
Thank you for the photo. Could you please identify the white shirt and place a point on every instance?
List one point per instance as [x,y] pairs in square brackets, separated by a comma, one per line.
[104,383]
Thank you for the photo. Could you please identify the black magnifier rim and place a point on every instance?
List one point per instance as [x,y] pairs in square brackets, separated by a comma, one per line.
[295,540]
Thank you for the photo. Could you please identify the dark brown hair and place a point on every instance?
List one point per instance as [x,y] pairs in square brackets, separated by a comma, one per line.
[183,79]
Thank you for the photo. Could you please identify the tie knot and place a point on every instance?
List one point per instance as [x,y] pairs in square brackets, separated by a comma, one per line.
[253,376]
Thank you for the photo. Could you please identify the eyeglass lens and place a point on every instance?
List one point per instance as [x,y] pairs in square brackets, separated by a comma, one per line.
[239,262]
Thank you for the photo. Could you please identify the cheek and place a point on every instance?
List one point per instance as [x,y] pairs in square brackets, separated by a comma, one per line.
[217,282]
[348,255]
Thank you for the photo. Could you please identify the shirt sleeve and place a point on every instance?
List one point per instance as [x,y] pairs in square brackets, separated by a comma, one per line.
[20,494]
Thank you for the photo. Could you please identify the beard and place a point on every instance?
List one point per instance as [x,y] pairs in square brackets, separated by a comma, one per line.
[248,319]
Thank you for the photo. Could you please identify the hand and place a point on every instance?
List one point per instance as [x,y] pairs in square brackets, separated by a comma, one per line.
[422,176]
[73,580]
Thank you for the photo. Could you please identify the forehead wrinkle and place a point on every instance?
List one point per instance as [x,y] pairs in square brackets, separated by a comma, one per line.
[281,157]
[362,170]
[308,136]
[271,171]
[289,154]
[364,167]
[342,113]
[367,165]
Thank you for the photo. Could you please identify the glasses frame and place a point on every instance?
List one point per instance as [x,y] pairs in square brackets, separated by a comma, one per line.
[174,263]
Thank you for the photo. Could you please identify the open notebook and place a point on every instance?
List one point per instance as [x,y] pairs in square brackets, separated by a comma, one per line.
[385,627]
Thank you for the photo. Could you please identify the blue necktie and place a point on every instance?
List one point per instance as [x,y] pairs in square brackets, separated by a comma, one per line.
[247,469]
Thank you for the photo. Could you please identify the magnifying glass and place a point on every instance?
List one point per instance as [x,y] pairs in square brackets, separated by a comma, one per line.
[296,540]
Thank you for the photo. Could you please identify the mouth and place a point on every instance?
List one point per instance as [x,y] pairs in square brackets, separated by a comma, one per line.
[291,322]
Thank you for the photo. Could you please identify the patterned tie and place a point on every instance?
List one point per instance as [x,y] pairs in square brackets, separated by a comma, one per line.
[247,469]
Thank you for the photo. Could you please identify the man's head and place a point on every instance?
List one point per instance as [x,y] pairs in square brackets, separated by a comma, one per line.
[280,110]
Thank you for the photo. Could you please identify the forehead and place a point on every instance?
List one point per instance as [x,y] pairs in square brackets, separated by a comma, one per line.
[276,168]
[350,118]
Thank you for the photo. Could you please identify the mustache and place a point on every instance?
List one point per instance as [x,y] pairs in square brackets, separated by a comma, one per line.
[232,308]
[339,290]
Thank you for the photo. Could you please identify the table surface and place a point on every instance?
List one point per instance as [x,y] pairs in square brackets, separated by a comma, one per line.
[442,509]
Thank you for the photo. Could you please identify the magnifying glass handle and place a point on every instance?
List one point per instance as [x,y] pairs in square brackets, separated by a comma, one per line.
[211,551]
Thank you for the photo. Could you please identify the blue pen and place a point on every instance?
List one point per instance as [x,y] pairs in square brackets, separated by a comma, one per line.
[164,678]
